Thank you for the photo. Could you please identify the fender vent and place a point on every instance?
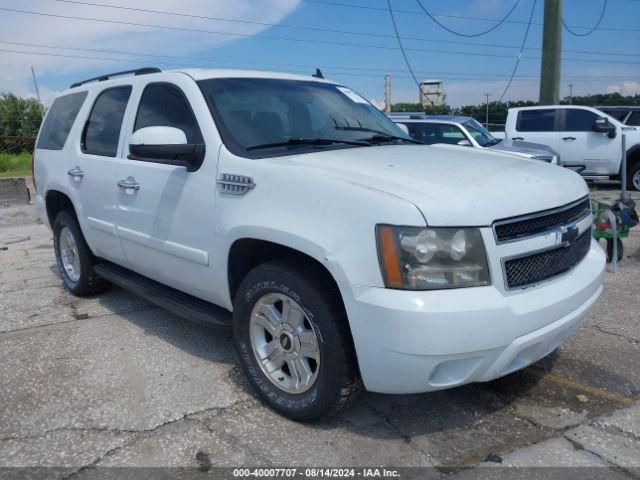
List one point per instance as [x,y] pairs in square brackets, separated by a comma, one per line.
[234,184]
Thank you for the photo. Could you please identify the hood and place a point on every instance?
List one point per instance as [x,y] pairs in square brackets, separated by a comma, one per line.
[451,185]
[518,146]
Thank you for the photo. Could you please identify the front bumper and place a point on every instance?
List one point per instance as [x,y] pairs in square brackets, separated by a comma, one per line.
[410,342]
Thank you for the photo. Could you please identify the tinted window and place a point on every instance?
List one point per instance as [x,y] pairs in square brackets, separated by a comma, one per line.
[102,131]
[164,105]
[536,120]
[59,121]
[431,133]
[576,120]
[634,119]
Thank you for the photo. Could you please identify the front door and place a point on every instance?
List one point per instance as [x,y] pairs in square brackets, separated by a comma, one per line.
[580,145]
[167,225]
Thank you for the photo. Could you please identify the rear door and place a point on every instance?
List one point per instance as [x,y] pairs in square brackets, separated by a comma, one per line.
[538,126]
[167,226]
[93,173]
[580,145]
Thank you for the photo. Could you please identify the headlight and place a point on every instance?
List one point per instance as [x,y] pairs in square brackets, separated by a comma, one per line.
[415,258]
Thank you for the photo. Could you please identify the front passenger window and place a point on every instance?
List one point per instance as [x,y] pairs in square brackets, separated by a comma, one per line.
[164,105]
[577,120]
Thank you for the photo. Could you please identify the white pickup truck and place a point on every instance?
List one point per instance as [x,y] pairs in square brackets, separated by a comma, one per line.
[586,139]
[291,210]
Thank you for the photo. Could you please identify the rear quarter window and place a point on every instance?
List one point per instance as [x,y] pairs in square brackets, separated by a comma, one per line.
[59,120]
[536,120]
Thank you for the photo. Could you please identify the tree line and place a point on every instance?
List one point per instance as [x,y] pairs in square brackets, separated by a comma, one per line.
[19,117]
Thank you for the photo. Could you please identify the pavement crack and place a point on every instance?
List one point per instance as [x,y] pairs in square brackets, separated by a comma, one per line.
[407,438]
[614,334]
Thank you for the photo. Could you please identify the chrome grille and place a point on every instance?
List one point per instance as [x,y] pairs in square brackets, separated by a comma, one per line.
[516,228]
[535,268]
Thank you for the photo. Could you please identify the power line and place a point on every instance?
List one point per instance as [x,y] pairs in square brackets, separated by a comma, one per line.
[469,35]
[404,54]
[463,17]
[593,29]
[323,30]
[290,39]
[466,75]
[524,41]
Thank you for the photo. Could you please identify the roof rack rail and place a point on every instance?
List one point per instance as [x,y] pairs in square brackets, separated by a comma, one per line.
[102,78]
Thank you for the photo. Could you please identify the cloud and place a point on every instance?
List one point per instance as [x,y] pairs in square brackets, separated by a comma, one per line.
[630,87]
[17,28]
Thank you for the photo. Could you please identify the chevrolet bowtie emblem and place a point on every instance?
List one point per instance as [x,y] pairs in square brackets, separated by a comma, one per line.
[567,235]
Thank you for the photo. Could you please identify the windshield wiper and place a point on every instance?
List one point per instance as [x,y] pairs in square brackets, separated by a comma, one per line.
[307,141]
[382,138]
[379,136]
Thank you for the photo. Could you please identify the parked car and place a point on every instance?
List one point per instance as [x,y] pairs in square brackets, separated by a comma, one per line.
[585,138]
[467,131]
[628,114]
[291,210]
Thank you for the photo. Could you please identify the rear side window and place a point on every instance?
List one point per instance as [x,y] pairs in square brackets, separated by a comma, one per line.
[164,105]
[577,120]
[536,120]
[102,130]
[59,121]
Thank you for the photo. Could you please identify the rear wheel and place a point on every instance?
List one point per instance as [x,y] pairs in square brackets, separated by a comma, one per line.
[294,343]
[75,260]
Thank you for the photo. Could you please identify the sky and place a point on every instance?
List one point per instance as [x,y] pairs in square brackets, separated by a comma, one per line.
[351,41]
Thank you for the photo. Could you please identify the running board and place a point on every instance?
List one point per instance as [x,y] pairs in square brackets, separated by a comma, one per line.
[182,304]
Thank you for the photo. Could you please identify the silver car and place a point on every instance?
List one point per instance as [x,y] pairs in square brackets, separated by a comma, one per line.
[467,131]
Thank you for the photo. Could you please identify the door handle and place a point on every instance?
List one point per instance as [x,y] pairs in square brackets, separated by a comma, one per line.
[517,138]
[568,139]
[129,183]
[75,172]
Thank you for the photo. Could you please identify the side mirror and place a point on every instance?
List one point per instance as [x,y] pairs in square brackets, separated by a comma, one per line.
[166,145]
[602,125]
[464,143]
[403,127]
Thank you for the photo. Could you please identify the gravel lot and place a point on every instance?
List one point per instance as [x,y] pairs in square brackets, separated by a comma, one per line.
[114,381]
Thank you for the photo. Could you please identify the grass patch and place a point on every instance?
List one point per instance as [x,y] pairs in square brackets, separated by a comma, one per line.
[15,165]
[80,316]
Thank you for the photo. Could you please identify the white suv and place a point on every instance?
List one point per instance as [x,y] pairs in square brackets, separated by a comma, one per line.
[292,210]
[587,139]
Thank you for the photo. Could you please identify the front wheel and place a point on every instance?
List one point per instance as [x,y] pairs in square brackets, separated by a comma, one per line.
[294,342]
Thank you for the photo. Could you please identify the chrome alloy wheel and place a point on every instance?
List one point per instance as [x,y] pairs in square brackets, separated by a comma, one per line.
[635,180]
[69,254]
[284,343]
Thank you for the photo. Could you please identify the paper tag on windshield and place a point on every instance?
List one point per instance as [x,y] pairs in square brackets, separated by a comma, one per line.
[352,95]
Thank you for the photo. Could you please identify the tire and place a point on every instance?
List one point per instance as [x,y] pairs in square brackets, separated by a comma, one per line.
[610,250]
[81,280]
[633,176]
[337,381]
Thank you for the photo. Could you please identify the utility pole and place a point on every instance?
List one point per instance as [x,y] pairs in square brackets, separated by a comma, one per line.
[551,53]
[571,94]
[35,84]
[486,117]
[387,93]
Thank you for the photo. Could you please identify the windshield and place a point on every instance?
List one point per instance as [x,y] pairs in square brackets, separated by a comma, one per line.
[260,117]
[479,133]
